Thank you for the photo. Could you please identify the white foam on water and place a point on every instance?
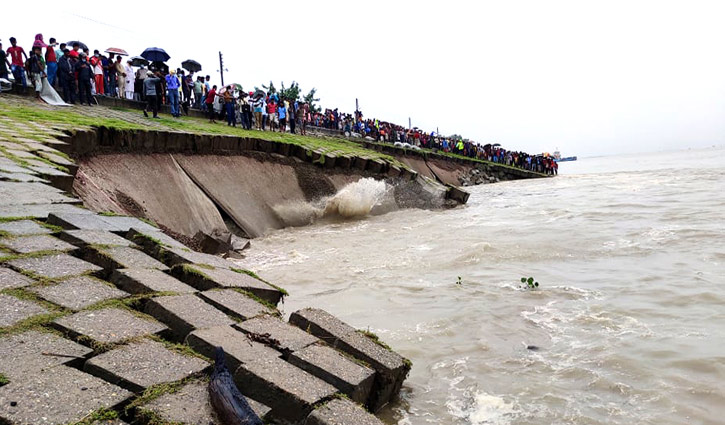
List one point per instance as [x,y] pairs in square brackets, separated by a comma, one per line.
[356,199]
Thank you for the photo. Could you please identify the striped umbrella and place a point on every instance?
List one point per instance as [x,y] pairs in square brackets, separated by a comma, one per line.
[116,51]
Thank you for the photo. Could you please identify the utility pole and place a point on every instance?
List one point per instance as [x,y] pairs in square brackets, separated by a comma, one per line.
[221,67]
[409,124]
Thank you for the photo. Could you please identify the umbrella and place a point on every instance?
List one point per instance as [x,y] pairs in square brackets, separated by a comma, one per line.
[138,61]
[235,86]
[116,51]
[191,65]
[81,45]
[159,66]
[155,54]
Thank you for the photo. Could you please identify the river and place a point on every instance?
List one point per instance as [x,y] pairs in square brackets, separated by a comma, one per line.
[626,327]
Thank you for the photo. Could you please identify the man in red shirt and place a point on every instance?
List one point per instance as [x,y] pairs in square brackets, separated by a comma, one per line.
[51,61]
[17,63]
[210,97]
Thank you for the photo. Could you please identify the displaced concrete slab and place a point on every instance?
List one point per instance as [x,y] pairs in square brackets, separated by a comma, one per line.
[181,255]
[82,238]
[139,237]
[108,325]
[73,221]
[285,337]
[391,367]
[28,244]
[40,211]
[204,278]
[54,266]
[15,193]
[78,293]
[326,363]
[14,310]
[234,303]
[22,177]
[12,279]
[237,347]
[154,181]
[60,395]
[139,365]
[145,281]
[288,390]
[120,257]
[24,228]
[33,351]
[341,412]
[124,224]
[185,313]
[190,406]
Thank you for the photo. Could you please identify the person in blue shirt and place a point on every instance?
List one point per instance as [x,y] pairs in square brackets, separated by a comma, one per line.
[282,113]
[172,85]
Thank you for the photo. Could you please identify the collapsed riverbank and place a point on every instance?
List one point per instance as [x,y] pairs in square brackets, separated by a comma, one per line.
[109,294]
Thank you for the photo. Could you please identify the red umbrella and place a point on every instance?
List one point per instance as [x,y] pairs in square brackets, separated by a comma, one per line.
[116,51]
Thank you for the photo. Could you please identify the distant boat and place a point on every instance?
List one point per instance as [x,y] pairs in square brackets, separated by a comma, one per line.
[557,157]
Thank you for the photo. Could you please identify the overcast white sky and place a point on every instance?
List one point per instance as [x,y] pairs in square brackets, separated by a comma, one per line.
[588,77]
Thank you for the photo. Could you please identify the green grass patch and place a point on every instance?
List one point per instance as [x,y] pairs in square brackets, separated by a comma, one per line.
[254,275]
[3,380]
[265,303]
[376,339]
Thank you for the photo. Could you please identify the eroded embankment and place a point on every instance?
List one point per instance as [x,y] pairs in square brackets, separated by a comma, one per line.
[191,184]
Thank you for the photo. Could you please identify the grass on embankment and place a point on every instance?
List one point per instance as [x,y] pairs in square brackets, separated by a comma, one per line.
[72,119]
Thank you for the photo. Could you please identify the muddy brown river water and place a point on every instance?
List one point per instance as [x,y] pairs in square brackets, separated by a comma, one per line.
[628,323]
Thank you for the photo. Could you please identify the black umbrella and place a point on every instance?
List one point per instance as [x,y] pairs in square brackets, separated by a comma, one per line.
[81,45]
[159,66]
[191,65]
[155,54]
[138,61]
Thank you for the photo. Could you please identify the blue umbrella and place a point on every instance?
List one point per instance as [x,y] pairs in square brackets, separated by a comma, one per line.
[155,54]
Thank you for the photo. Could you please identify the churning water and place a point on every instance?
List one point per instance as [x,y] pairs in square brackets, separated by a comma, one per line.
[628,323]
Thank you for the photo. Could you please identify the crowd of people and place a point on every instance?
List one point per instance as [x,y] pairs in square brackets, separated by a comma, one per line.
[78,76]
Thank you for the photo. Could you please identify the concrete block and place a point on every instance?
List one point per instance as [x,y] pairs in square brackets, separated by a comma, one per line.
[83,238]
[190,406]
[82,221]
[238,347]
[360,163]
[341,412]
[457,194]
[60,395]
[326,363]
[281,335]
[391,367]
[107,326]
[185,313]
[14,310]
[23,354]
[28,244]
[173,256]
[203,279]
[146,281]
[11,279]
[120,257]
[15,193]
[393,171]
[40,211]
[78,293]
[54,266]
[344,161]
[235,303]
[149,240]
[288,390]
[141,364]
[23,228]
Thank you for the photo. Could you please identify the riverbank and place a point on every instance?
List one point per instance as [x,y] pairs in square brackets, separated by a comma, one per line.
[111,319]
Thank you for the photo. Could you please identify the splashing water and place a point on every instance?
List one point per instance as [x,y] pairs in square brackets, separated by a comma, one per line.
[356,199]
